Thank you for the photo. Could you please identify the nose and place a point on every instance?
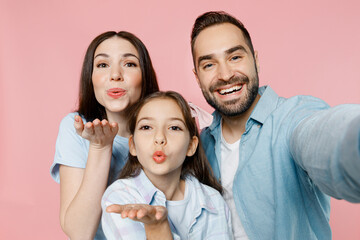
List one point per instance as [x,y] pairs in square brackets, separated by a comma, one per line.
[116,74]
[225,72]
[160,138]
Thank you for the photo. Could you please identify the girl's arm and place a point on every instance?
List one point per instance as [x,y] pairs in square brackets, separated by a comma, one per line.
[154,218]
[81,189]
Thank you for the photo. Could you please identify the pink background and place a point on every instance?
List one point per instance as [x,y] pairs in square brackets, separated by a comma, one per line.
[308,47]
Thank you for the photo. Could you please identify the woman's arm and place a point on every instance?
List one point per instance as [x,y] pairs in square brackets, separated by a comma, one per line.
[81,189]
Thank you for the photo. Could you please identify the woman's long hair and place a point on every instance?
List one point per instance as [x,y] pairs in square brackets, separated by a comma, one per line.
[196,165]
[89,107]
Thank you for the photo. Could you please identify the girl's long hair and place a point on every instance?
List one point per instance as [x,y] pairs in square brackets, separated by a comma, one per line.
[196,165]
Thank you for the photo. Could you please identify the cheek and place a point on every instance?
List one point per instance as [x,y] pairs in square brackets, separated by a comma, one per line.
[205,78]
[96,79]
[136,85]
[96,85]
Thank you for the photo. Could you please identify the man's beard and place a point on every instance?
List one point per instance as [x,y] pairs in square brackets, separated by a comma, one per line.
[237,106]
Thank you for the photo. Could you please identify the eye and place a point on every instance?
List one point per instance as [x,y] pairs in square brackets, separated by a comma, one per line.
[209,65]
[102,65]
[175,128]
[235,58]
[130,64]
[144,127]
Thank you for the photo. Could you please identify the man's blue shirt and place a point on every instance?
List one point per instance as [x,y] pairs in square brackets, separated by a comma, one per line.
[293,152]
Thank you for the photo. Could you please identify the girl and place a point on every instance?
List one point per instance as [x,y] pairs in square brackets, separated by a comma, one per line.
[117,72]
[166,182]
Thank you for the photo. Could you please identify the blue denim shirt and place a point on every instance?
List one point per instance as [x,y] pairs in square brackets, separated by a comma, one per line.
[293,152]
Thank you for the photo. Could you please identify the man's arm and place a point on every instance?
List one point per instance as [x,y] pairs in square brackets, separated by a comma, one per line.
[327,146]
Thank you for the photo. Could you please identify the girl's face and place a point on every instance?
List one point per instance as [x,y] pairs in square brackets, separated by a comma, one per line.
[116,74]
[161,140]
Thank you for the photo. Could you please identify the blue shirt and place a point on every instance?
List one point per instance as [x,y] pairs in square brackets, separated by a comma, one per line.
[72,150]
[209,214]
[293,152]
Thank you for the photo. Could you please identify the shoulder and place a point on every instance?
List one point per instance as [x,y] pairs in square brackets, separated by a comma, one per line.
[70,148]
[122,191]
[291,111]
[67,130]
[68,120]
[303,103]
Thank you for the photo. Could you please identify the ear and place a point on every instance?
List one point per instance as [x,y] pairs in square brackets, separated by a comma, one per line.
[132,148]
[192,146]
[257,61]
[196,77]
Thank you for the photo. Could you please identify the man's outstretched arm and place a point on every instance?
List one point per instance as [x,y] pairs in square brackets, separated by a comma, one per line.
[327,146]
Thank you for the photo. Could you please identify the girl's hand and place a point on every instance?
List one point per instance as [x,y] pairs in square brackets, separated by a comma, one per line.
[99,133]
[147,214]
[154,218]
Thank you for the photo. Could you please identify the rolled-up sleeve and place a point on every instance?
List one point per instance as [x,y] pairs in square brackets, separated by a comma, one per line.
[326,146]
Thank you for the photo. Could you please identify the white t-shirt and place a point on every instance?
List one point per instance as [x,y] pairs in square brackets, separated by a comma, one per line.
[229,164]
[178,211]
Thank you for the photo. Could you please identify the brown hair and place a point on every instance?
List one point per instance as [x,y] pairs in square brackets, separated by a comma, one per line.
[196,165]
[214,18]
[89,107]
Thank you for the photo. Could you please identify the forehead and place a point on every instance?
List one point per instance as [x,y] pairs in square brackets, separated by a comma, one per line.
[217,39]
[161,108]
[116,45]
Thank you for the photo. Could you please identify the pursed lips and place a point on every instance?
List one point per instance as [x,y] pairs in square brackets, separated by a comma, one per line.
[159,157]
[115,92]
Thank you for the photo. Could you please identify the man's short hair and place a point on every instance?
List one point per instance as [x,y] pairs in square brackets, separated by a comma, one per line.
[214,18]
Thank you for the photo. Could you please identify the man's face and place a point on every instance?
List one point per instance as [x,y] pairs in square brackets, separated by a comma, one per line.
[226,70]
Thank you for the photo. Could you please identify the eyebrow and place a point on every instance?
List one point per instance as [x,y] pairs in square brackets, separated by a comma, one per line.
[236,48]
[170,119]
[229,51]
[124,55]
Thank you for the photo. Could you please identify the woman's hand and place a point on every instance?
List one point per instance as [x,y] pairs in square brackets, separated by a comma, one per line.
[99,133]
[153,217]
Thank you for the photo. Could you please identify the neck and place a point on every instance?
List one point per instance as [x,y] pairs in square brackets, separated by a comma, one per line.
[121,120]
[170,184]
[234,127]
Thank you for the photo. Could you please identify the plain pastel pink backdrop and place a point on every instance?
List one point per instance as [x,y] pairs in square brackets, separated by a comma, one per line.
[305,47]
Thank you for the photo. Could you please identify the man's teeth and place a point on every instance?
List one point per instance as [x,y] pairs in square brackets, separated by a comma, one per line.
[230,90]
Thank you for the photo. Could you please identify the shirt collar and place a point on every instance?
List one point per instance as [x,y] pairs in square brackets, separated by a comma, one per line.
[266,105]
[203,197]
[148,192]
[146,188]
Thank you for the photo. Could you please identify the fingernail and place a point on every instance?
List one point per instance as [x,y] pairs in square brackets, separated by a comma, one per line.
[77,118]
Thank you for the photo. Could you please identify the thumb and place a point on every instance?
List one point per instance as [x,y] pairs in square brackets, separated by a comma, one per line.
[79,125]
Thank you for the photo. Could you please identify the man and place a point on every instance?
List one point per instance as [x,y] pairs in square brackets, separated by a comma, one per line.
[278,159]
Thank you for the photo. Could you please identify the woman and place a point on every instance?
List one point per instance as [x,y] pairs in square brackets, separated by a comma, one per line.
[117,72]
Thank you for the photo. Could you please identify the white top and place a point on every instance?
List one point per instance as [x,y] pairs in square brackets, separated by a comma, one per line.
[229,163]
[178,211]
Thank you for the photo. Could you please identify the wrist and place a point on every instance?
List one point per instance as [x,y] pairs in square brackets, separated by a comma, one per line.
[100,147]
[154,231]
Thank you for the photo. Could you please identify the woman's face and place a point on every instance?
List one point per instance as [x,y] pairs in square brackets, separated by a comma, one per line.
[116,75]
